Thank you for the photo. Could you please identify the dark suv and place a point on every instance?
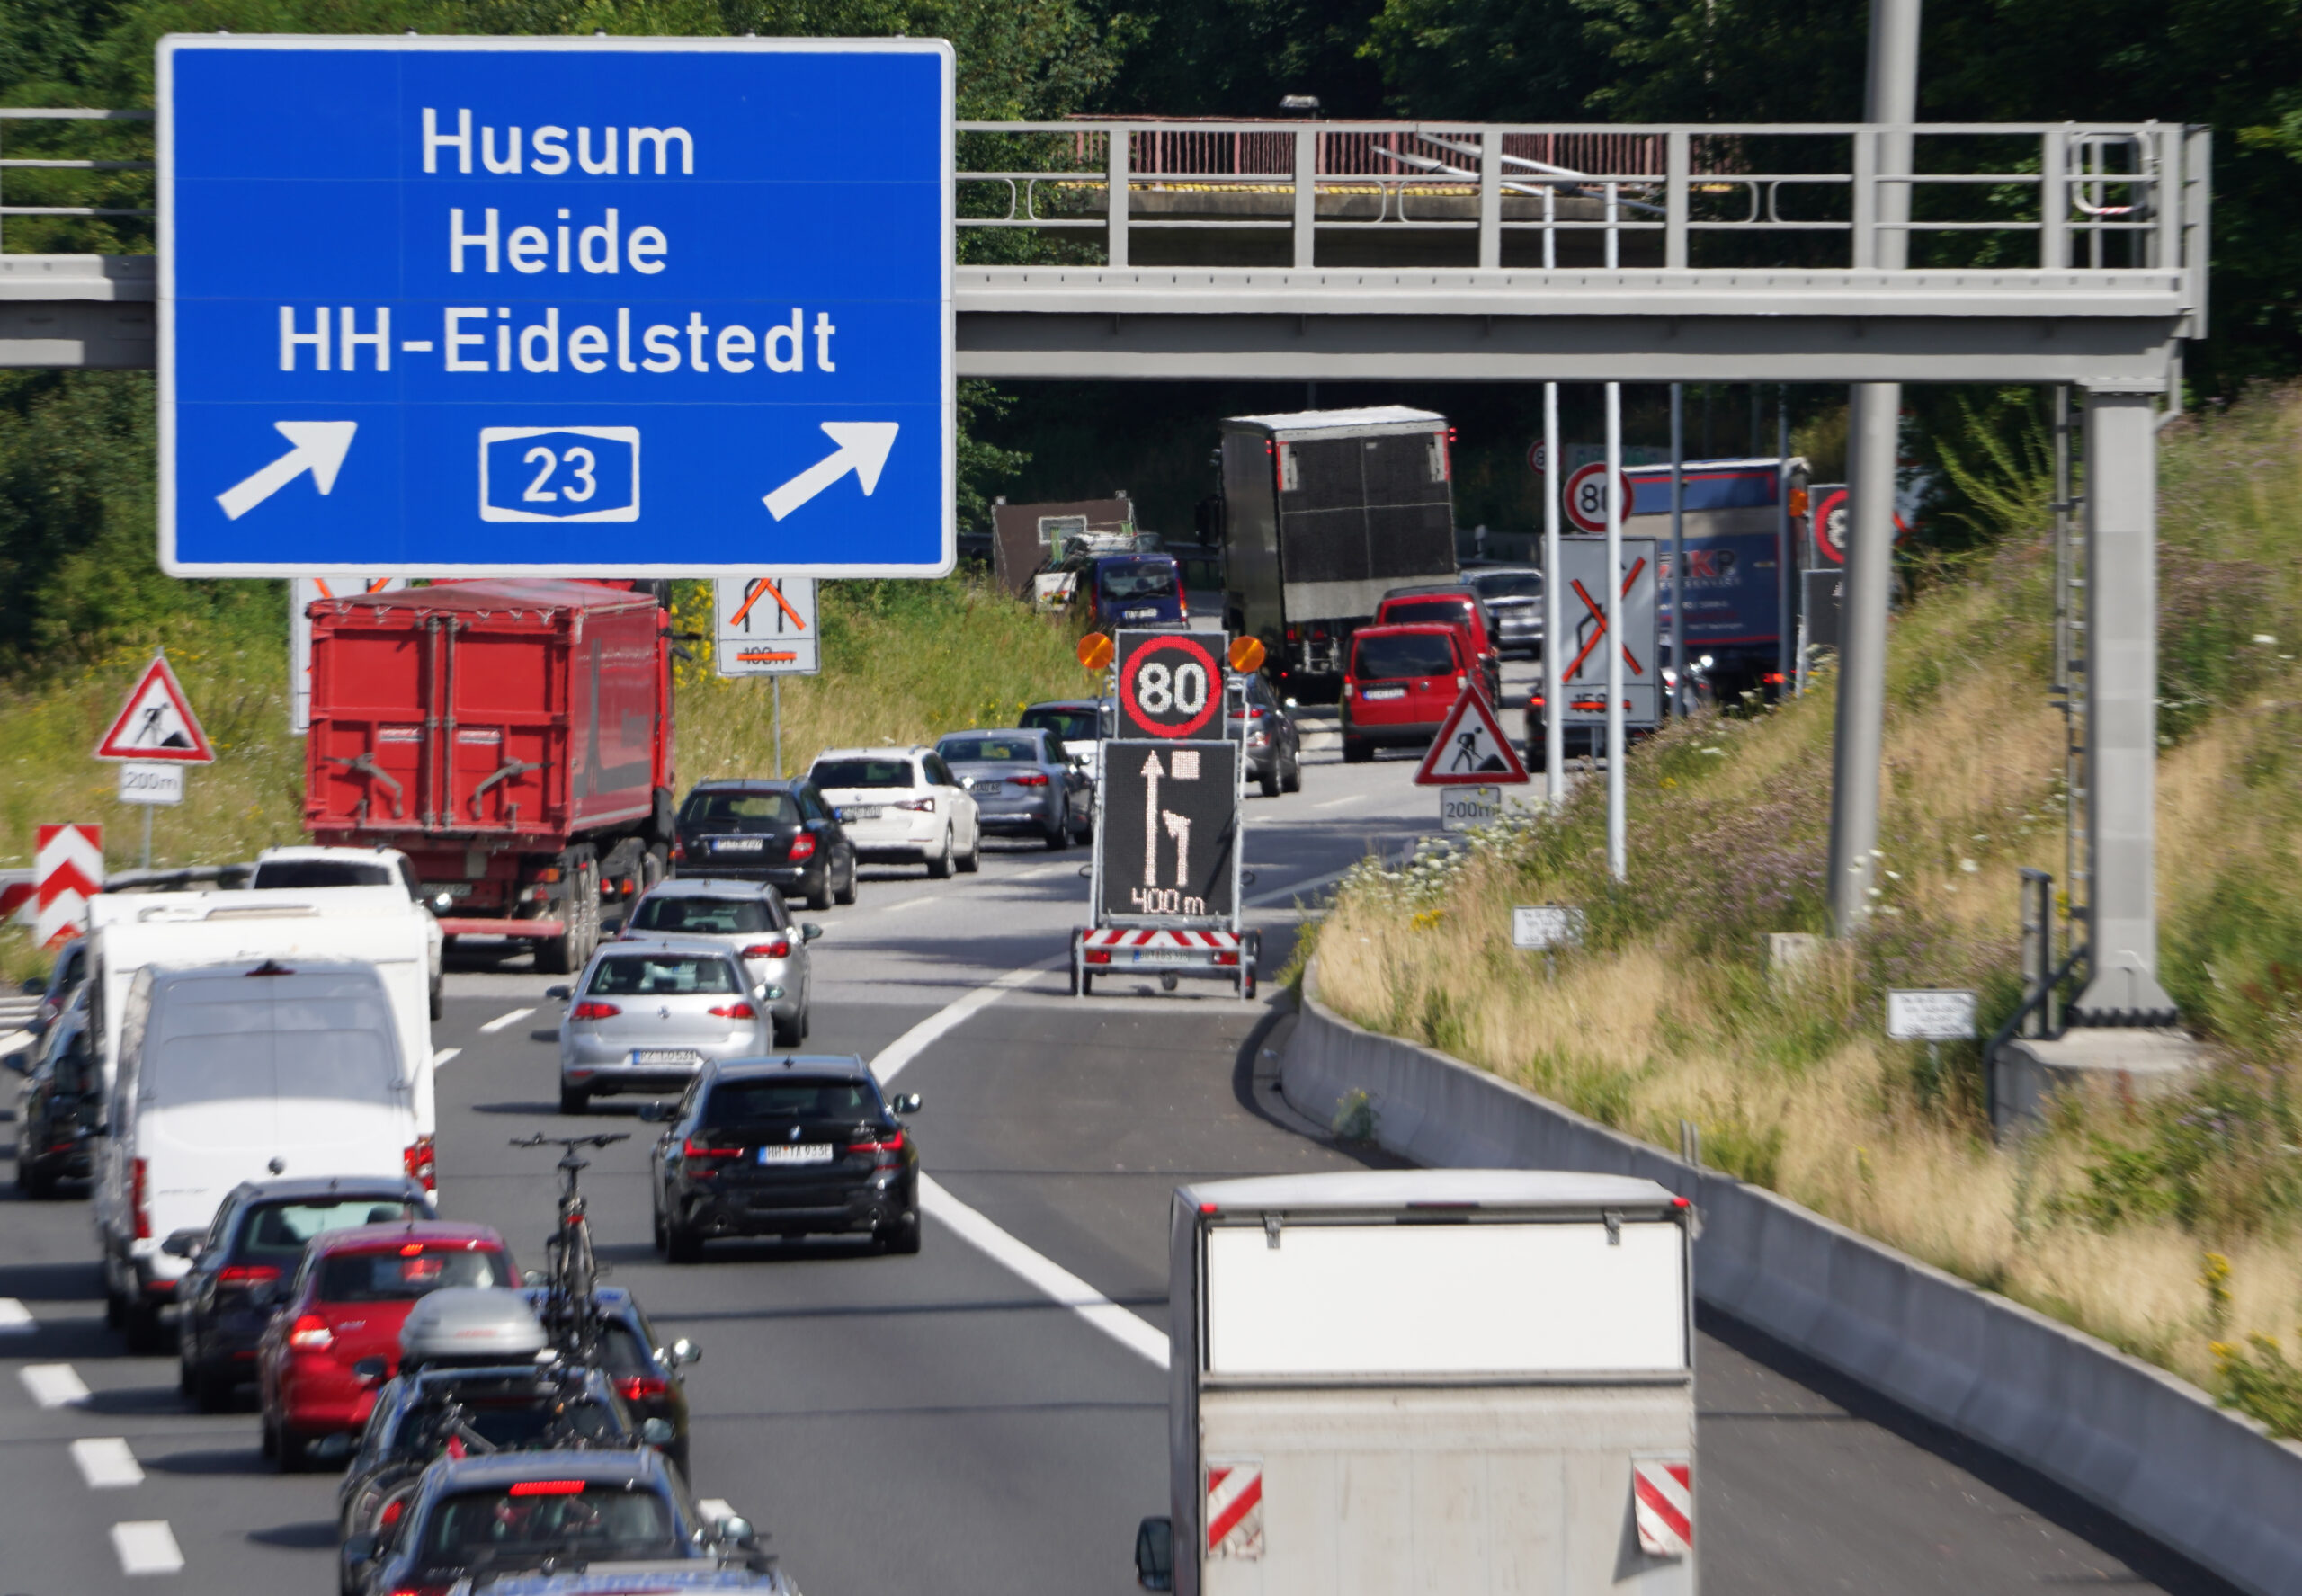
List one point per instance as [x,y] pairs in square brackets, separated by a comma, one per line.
[781,832]
[645,1371]
[61,1104]
[785,1147]
[255,1244]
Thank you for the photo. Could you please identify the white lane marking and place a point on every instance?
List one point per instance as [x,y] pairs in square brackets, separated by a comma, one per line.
[146,1545]
[53,1384]
[1037,870]
[106,1463]
[714,1510]
[909,903]
[1348,797]
[915,1041]
[1295,887]
[501,1020]
[445,1055]
[1037,1270]
[15,1318]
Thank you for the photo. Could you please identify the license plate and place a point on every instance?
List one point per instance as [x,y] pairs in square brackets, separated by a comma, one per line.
[665,1056]
[1382,692]
[1141,615]
[863,812]
[1165,955]
[454,889]
[737,844]
[803,1153]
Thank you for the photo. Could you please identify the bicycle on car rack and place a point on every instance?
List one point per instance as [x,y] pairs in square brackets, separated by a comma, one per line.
[571,1306]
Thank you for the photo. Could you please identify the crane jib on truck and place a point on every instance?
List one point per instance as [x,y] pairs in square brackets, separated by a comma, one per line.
[513,738]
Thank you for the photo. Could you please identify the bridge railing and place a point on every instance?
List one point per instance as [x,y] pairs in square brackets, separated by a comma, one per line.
[42,159]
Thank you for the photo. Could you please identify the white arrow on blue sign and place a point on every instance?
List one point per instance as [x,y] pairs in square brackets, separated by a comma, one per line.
[556,307]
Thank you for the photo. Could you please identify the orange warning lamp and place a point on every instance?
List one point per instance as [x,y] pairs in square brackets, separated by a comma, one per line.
[1096,651]
[1247,655]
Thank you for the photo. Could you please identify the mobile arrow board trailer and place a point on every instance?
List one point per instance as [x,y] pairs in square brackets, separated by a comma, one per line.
[1428,1380]
[1168,801]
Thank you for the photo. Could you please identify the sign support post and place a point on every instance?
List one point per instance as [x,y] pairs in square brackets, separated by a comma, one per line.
[1678,548]
[1618,841]
[1554,672]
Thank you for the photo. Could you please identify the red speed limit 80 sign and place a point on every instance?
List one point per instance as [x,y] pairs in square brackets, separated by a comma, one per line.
[1170,683]
[1586,496]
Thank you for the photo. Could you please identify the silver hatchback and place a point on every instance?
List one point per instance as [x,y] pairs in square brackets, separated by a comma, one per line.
[644,1017]
[747,919]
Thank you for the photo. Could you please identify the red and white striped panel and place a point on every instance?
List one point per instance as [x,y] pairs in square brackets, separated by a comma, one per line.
[1127,937]
[1234,1509]
[67,870]
[1662,1495]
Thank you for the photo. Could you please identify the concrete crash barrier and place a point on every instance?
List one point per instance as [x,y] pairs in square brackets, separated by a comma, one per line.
[2135,1441]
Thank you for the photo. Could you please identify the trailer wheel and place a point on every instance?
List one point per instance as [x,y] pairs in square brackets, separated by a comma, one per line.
[1086,984]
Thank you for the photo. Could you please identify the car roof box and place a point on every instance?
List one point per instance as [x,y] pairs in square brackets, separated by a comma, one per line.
[470,1325]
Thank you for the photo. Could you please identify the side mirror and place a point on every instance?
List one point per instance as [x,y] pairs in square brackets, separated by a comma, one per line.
[182,1244]
[809,931]
[532,1277]
[657,1432]
[562,992]
[359,1550]
[18,1063]
[658,1112]
[905,1103]
[32,986]
[1154,1554]
[368,1371]
[686,1352]
[737,1530]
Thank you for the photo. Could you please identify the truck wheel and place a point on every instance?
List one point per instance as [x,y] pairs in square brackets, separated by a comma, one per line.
[654,866]
[1356,751]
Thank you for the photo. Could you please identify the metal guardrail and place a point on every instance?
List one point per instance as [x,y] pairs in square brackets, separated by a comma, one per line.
[49,164]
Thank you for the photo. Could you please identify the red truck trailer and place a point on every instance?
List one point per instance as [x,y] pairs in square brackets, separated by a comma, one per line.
[513,738]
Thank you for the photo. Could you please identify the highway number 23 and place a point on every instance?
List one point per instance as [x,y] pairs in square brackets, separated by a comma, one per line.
[578,482]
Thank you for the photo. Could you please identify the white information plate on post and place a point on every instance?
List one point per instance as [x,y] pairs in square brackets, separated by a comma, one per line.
[766,625]
[1544,926]
[151,784]
[1930,1016]
[1462,807]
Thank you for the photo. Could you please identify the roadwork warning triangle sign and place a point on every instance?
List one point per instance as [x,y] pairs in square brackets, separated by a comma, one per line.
[1470,749]
[156,723]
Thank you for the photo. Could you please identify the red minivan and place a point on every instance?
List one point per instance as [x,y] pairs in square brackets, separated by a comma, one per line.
[349,1298]
[1399,686]
[1456,606]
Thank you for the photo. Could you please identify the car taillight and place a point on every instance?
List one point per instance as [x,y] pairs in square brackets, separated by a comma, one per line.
[1028,779]
[417,1156]
[1098,956]
[639,1388]
[803,846]
[420,1590]
[1772,678]
[692,1148]
[734,1011]
[1294,635]
[679,851]
[588,1010]
[246,1274]
[925,806]
[1226,957]
[136,1201]
[547,1488]
[310,1333]
[779,948]
[888,1149]
[392,1511]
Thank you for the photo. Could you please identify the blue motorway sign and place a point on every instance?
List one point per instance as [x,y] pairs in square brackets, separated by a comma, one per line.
[601,307]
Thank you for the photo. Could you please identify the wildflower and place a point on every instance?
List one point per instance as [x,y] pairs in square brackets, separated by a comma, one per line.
[1970,866]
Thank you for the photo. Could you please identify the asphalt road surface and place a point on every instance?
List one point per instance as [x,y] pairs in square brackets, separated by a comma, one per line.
[987,1416]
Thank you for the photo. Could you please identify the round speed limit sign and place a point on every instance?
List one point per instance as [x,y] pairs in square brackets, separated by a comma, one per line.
[1586,496]
[1170,685]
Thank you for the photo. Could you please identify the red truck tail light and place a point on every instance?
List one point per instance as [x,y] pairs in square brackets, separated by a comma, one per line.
[733,1012]
[803,846]
[779,948]
[421,1163]
[639,1388]
[246,1274]
[1028,779]
[310,1333]
[136,1192]
[1098,956]
[1227,957]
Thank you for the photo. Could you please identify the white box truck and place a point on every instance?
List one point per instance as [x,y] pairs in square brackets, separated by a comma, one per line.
[1437,1380]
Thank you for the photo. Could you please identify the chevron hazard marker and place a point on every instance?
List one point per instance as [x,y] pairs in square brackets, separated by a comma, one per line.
[1234,1509]
[1663,1498]
[67,870]
[157,722]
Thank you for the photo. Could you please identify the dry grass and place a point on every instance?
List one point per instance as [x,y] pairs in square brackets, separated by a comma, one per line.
[2103,1219]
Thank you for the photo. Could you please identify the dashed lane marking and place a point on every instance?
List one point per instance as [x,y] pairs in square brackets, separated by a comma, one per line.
[501,1020]
[146,1545]
[445,1055]
[53,1384]
[15,1318]
[909,903]
[1348,797]
[106,1463]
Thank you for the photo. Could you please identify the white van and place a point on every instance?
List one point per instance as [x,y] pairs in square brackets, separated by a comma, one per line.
[231,1073]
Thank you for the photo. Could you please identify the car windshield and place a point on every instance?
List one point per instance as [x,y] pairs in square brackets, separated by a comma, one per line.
[1069,724]
[275,1233]
[1150,580]
[405,1272]
[1013,751]
[741,809]
[598,1519]
[297,875]
[783,1099]
[702,916]
[668,974]
[1512,584]
[1425,611]
[1409,654]
[864,773]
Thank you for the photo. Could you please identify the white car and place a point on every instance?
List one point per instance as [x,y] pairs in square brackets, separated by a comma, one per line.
[901,804]
[306,867]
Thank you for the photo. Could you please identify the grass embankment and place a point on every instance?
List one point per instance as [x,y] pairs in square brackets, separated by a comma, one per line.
[903,662]
[2168,1228]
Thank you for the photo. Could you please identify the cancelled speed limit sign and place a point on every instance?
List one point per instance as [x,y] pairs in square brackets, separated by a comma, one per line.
[1170,683]
[1586,496]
